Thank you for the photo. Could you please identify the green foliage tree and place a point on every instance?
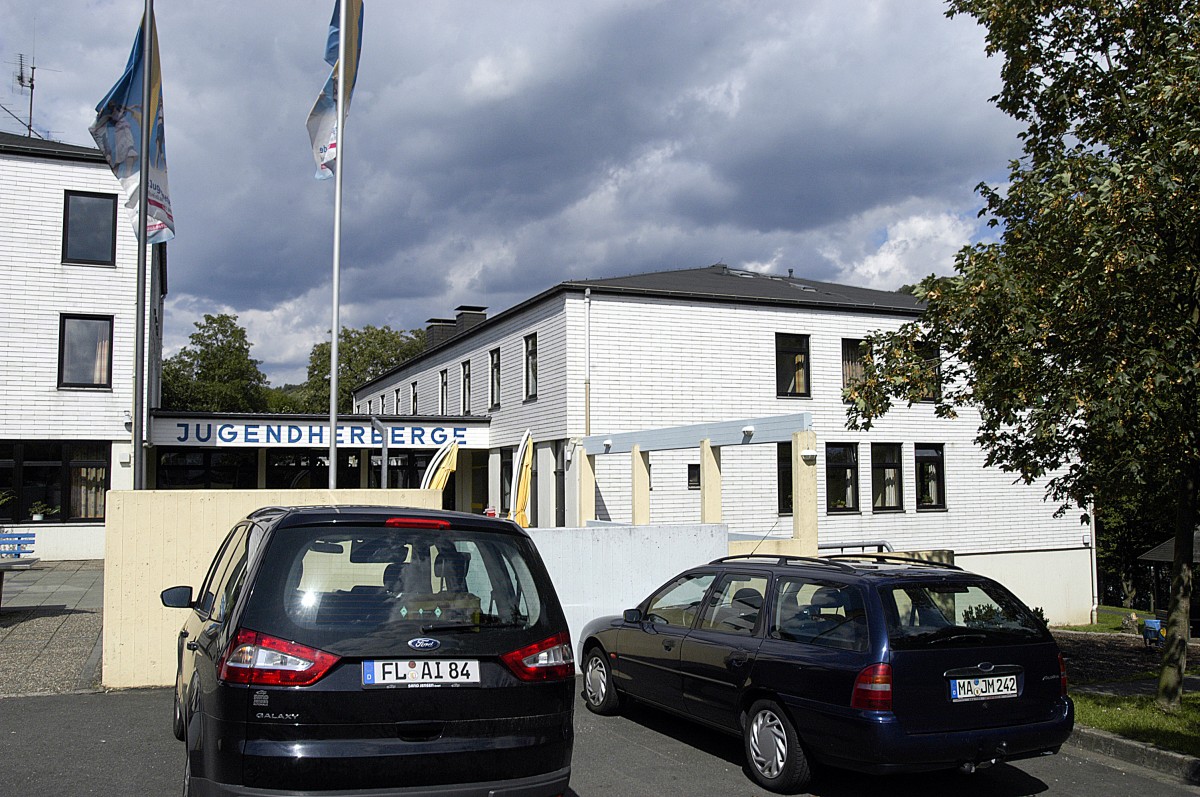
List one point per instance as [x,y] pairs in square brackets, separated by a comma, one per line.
[363,354]
[214,372]
[1077,334]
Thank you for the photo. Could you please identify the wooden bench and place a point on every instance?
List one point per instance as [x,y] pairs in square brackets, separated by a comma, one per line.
[16,553]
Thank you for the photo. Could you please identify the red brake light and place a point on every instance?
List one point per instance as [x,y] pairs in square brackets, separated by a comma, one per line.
[416,523]
[548,660]
[873,688]
[1062,675]
[262,660]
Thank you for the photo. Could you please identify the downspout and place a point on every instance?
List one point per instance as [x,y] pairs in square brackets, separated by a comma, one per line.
[587,361]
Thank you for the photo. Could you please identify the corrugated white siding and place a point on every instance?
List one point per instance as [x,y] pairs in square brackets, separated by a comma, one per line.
[38,288]
[658,363]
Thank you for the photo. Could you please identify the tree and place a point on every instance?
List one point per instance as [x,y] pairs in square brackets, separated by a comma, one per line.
[363,355]
[214,372]
[1077,333]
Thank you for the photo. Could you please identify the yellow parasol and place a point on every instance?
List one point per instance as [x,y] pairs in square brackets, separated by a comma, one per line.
[522,476]
[440,467]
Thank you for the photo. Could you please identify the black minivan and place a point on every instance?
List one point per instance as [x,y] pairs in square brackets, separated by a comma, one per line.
[374,650]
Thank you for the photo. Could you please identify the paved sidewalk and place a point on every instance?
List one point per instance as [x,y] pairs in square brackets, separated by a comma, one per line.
[50,625]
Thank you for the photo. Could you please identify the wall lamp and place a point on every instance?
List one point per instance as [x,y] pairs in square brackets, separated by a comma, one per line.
[809,456]
[607,444]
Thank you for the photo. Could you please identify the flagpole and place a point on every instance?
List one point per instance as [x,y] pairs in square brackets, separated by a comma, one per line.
[337,242]
[139,348]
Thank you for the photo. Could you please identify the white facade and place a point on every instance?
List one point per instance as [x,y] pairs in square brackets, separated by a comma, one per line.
[655,361]
[65,432]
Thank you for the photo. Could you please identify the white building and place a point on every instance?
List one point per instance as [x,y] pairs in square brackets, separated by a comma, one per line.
[67,317]
[594,360]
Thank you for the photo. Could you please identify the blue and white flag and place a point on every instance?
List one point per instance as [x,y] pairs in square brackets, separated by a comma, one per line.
[323,119]
[118,134]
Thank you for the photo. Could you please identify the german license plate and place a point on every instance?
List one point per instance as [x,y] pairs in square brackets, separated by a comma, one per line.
[996,686]
[420,672]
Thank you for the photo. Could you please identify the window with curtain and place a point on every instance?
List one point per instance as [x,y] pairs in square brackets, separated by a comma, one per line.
[412,398]
[791,365]
[443,390]
[931,478]
[841,477]
[89,228]
[852,361]
[885,476]
[494,378]
[85,351]
[70,477]
[530,367]
[466,387]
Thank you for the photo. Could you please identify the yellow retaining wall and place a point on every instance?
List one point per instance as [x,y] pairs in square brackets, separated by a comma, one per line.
[156,539]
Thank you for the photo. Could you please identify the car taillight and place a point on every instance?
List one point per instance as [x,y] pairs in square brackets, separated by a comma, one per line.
[873,688]
[416,523]
[548,660]
[262,660]
[1062,676]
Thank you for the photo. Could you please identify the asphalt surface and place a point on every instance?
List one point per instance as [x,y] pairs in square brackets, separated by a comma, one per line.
[60,735]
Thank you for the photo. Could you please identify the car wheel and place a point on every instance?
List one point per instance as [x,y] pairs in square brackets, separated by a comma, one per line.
[177,724]
[773,750]
[598,690]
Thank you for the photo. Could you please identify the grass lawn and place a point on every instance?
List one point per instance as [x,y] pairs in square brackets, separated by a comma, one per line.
[1140,719]
[1108,620]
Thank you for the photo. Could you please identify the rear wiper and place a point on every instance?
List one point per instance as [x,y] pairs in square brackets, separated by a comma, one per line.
[956,637]
[467,626]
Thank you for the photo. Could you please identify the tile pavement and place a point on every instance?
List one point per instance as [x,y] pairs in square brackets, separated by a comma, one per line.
[50,621]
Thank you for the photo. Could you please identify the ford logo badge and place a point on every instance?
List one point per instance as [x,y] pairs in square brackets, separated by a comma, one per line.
[424,643]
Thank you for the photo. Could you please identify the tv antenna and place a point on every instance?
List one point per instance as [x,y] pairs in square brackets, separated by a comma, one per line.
[24,76]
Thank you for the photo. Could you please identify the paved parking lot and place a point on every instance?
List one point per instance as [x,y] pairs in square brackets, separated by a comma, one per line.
[120,743]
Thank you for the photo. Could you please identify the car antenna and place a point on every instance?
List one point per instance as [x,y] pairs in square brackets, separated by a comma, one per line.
[764,536]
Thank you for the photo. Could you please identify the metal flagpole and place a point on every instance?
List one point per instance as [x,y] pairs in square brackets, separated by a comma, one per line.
[139,347]
[339,163]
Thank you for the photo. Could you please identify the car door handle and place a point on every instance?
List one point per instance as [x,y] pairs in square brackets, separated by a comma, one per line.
[668,644]
[737,658]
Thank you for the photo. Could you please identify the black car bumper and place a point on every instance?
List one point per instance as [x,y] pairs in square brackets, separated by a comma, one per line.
[545,785]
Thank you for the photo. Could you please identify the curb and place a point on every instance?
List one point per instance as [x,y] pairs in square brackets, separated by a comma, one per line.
[1167,762]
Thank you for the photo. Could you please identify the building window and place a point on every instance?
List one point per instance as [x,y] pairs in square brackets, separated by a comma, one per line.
[493,379]
[693,476]
[783,469]
[932,358]
[443,390]
[841,477]
[89,229]
[791,365]
[85,351]
[396,402]
[412,398]
[370,406]
[931,476]
[852,361]
[466,387]
[70,478]
[885,476]
[198,469]
[530,367]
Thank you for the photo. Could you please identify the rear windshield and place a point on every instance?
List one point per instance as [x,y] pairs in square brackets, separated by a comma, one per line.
[930,614]
[358,590]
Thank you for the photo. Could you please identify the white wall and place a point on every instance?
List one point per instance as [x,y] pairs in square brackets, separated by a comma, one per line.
[1060,582]
[602,570]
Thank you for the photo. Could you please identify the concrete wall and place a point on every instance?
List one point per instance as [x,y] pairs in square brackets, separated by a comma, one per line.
[156,539]
[606,569]
[1060,582]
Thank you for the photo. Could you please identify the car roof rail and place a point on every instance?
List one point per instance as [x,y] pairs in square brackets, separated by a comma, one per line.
[267,510]
[883,558]
[783,559]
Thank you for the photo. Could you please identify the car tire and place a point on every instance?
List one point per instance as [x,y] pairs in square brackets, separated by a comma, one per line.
[177,723]
[773,752]
[599,693]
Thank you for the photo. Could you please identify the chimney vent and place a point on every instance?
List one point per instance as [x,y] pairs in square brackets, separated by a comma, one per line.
[438,331]
[468,316]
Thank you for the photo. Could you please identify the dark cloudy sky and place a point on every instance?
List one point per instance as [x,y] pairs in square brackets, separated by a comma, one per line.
[497,148]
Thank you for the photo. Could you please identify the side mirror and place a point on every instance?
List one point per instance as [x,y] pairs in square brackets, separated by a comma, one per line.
[177,597]
[632,615]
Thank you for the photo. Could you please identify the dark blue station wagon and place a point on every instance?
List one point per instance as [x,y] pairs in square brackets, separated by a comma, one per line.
[871,663]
